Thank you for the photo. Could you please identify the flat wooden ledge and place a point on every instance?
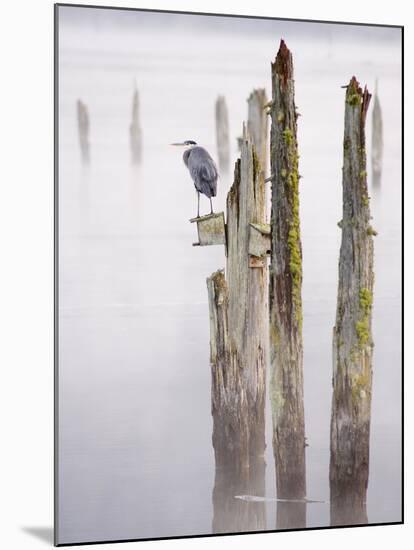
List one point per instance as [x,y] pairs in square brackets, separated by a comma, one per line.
[211,229]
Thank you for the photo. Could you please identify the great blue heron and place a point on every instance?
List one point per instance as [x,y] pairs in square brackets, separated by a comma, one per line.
[203,170]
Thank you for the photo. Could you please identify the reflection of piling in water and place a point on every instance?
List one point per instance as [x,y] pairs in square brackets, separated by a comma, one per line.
[83,127]
[222,134]
[238,324]
[135,134]
[352,337]
[234,515]
[349,507]
[291,515]
[257,124]
[377,140]
[285,300]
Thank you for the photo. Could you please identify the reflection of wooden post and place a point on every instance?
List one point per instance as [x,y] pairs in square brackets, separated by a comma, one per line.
[83,127]
[135,135]
[222,134]
[235,515]
[377,140]
[352,338]
[291,515]
[257,124]
[285,298]
[238,326]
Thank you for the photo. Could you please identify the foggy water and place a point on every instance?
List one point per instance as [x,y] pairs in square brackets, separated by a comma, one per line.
[135,452]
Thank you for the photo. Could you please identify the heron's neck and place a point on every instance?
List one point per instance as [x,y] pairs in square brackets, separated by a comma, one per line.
[186,155]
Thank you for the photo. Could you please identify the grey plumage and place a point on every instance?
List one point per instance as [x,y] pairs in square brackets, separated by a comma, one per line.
[202,169]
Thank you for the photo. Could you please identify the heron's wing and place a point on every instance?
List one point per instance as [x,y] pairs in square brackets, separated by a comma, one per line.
[203,171]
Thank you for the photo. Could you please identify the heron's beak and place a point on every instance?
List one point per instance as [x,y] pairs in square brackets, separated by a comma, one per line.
[177,144]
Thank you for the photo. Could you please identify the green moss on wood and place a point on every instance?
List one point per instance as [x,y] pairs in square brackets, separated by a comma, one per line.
[362,329]
[353,99]
[295,253]
[353,93]
[365,299]
[362,326]
[288,136]
[295,263]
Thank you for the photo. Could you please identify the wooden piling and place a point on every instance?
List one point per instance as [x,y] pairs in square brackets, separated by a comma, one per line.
[83,129]
[135,134]
[285,287]
[239,326]
[377,144]
[257,124]
[352,336]
[222,134]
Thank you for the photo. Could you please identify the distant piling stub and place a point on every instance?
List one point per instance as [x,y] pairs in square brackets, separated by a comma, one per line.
[352,334]
[135,133]
[222,134]
[377,143]
[83,129]
[239,328]
[285,287]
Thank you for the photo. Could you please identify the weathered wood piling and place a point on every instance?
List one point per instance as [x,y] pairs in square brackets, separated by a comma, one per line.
[83,129]
[285,287]
[135,133]
[257,124]
[222,134]
[352,336]
[377,144]
[239,326]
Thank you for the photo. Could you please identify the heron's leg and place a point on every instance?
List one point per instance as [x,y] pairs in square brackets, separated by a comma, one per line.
[198,204]
[211,206]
